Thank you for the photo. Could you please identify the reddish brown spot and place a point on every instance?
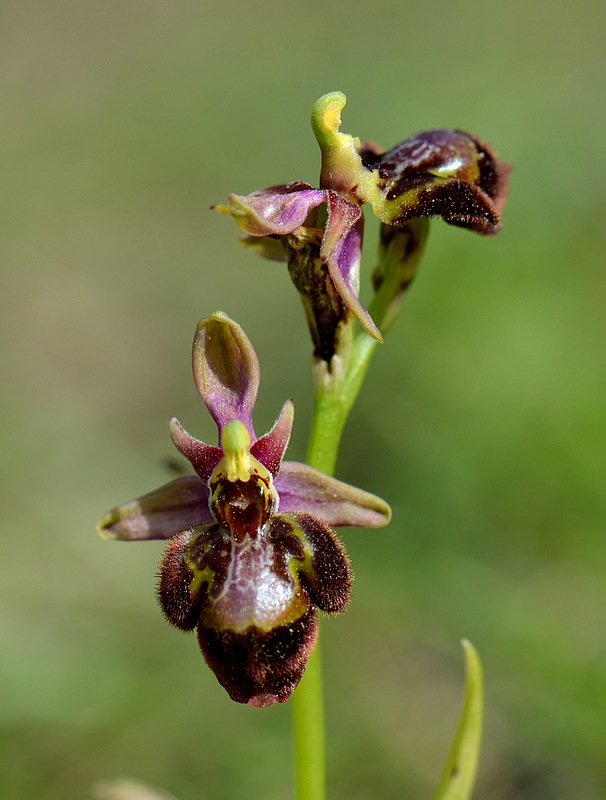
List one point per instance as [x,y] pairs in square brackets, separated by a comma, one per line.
[242,507]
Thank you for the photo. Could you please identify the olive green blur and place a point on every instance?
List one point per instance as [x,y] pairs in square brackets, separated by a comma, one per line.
[483,420]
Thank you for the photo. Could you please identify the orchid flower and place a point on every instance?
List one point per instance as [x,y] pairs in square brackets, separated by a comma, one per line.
[251,553]
[446,173]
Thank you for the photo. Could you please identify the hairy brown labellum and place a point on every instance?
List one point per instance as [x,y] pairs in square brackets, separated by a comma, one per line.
[260,667]
[252,599]
[446,173]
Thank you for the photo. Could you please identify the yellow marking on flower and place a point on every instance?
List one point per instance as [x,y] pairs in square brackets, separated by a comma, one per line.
[388,210]
[237,463]
[199,576]
[342,168]
[295,566]
[245,216]
[326,116]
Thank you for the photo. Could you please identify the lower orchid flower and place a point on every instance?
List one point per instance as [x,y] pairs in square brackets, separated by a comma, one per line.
[251,552]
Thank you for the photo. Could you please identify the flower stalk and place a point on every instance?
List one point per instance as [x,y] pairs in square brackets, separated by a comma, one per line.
[307,704]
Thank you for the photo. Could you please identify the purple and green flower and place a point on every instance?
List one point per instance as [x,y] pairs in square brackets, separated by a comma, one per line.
[251,550]
[443,173]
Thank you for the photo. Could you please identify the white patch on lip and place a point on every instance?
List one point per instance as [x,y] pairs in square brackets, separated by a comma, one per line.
[273,596]
[253,594]
[452,166]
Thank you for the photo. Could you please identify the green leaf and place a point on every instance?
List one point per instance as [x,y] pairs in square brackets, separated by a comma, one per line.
[459,772]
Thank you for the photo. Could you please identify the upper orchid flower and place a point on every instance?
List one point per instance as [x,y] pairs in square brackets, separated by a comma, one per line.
[446,173]
[251,551]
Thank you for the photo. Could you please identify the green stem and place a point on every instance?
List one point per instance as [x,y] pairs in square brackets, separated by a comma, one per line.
[307,705]
[334,399]
[308,701]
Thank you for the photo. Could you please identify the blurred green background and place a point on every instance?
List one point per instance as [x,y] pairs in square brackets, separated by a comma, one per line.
[483,421]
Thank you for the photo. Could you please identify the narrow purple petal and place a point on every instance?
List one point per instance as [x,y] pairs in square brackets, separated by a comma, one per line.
[226,371]
[203,457]
[172,508]
[270,449]
[277,212]
[304,489]
[342,252]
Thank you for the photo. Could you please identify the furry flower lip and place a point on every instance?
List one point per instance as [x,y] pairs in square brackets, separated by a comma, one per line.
[446,173]
[251,552]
